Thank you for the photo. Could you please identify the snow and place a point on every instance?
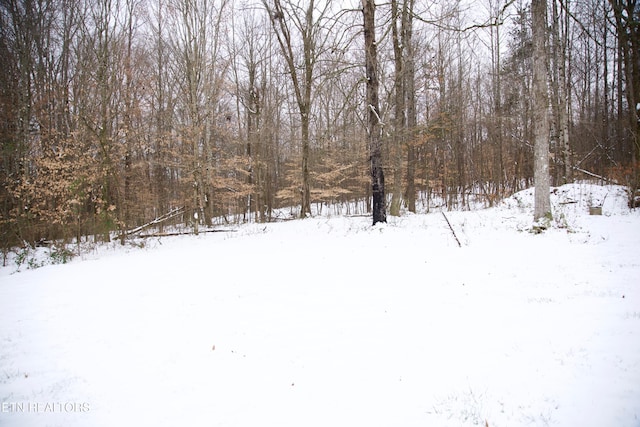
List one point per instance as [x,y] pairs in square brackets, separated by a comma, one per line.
[330,321]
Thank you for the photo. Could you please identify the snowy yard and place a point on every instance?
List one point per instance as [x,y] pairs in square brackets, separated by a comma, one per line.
[331,322]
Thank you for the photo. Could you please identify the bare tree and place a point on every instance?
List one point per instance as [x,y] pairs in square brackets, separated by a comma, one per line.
[398,135]
[374,123]
[161,123]
[559,84]
[627,16]
[542,208]
[200,71]
[288,21]
[251,66]
[410,93]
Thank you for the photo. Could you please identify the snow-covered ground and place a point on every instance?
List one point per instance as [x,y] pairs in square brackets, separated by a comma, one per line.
[331,322]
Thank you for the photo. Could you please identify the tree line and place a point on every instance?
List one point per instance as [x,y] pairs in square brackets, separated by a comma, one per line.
[117,112]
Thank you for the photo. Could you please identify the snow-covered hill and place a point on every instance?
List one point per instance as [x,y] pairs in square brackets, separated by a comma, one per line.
[329,321]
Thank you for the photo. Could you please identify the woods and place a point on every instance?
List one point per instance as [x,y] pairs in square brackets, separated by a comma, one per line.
[114,113]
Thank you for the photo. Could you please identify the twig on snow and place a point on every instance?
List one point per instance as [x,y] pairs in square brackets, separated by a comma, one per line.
[451,228]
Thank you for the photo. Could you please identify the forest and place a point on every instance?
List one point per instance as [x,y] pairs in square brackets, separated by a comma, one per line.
[118,113]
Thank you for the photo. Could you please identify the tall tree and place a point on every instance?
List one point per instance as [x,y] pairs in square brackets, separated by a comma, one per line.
[404,116]
[542,203]
[162,105]
[410,93]
[627,21]
[200,72]
[308,27]
[496,126]
[399,117]
[374,124]
[559,84]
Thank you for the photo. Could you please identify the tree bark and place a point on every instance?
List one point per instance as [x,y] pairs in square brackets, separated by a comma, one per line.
[374,124]
[559,86]
[399,119]
[542,203]
[410,92]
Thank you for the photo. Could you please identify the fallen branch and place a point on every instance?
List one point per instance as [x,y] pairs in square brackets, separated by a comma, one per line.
[171,214]
[182,233]
[586,172]
[451,228]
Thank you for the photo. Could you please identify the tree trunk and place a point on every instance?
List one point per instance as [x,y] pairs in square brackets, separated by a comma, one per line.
[542,203]
[399,122]
[410,92]
[559,86]
[374,125]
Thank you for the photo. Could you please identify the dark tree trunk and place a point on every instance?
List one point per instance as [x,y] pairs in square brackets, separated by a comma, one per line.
[374,132]
[410,93]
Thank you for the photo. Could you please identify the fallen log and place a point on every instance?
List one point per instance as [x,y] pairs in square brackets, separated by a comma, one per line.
[183,233]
